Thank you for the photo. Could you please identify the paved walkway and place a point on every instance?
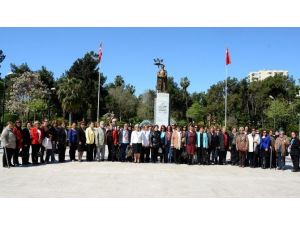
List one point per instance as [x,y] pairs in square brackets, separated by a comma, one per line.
[107,179]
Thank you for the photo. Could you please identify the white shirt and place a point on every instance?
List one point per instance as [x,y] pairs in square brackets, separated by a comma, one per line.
[136,137]
[146,138]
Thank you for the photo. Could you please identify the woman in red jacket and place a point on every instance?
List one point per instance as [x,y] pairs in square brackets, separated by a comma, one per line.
[35,135]
[116,144]
[18,133]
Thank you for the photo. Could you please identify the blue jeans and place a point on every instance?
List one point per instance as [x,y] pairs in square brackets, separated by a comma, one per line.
[280,160]
[168,153]
[123,152]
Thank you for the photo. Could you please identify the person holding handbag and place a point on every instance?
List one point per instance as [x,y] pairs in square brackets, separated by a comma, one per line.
[176,144]
[281,145]
[242,146]
[18,133]
[8,142]
[254,141]
[154,143]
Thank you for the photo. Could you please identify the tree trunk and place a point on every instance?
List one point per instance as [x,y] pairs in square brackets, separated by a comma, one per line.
[70,119]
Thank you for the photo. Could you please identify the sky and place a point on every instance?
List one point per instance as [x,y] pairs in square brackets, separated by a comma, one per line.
[198,53]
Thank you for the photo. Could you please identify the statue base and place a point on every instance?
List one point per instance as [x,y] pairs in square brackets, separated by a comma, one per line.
[162,109]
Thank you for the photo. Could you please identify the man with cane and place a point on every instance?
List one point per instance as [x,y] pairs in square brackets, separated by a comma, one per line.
[8,142]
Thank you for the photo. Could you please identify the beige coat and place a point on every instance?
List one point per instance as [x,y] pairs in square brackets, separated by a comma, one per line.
[176,140]
[242,142]
[284,143]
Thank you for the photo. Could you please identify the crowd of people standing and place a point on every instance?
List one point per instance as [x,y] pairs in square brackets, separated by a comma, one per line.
[192,145]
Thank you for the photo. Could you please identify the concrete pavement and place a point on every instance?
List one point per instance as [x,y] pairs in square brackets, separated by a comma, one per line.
[114,179]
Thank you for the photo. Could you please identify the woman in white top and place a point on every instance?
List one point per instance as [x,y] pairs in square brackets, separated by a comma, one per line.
[136,143]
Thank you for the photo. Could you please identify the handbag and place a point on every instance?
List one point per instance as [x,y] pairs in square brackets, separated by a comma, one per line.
[128,152]
[184,155]
[160,151]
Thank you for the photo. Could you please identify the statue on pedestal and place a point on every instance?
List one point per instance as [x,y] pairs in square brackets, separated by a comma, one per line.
[162,77]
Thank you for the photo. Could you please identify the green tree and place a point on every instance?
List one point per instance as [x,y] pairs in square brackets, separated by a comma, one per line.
[86,70]
[122,102]
[145,108]
[195,112]
[68,92]
[176,100]
[2,57]
[19,70]
[279,112]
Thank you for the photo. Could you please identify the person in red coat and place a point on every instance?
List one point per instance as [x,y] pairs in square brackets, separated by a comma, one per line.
[191,140]
[116,143]
[35,135]
[18,133]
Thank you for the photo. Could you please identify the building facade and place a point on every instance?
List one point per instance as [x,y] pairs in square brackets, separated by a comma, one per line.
[263,74]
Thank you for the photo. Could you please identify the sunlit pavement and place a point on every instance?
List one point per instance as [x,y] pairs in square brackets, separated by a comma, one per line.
[115,179]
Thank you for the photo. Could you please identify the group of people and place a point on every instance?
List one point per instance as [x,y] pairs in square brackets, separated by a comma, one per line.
[172,144]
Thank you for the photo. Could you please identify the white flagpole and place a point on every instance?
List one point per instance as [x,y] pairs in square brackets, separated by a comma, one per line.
[226,71]
[99,86]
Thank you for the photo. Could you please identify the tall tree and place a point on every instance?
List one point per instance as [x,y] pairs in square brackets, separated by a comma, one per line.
[122,102]
[145,108]
[195,112]
[86,70]
[176,99]
[26,92]
[2,57]
[185,83]
[68,92]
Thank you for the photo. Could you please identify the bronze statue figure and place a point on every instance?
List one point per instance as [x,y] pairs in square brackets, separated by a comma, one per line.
[162,77]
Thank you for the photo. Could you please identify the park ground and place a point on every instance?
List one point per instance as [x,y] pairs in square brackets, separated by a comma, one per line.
[114,179]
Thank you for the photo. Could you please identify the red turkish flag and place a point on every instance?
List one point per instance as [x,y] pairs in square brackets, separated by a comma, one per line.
[228,61]
[100,53]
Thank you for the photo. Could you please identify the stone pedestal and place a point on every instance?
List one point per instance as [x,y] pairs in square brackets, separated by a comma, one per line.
[162,109]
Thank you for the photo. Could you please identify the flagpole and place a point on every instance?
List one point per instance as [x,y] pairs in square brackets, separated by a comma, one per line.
[99,86]
[226,94]
[99,81]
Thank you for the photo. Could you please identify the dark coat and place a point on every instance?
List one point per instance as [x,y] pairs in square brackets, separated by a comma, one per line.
[81,139]
[26,137]
[109,138]
[61,136]
[53,132]
[209,139]
[295,145]
[155,139]
[221,141]
[214,141]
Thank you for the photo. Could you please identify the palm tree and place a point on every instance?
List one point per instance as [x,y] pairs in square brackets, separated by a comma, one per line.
[185,83]
[69,95]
